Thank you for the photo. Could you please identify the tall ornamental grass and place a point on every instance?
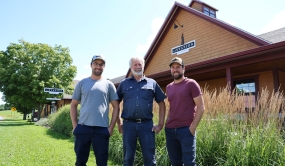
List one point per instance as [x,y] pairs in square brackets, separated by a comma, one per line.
[236,130]
[230,134]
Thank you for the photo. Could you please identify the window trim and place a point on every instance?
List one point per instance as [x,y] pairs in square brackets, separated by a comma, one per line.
[210,9]
[253,77]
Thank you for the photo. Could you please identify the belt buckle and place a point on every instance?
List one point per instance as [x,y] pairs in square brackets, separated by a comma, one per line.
[139,120]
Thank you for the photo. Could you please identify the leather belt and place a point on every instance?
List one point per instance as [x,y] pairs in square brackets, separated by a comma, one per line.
[137,120]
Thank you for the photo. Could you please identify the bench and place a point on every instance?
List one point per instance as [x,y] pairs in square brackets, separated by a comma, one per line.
[30,121]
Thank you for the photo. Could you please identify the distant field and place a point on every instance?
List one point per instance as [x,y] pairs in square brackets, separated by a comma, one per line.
[8,114]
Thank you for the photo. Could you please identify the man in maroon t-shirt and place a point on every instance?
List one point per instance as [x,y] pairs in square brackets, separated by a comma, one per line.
[185,112]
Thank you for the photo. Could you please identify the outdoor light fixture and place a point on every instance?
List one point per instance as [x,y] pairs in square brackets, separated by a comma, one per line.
[176,26]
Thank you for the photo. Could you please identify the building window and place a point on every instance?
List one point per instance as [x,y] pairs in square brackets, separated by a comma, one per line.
[247,88]
[209,12]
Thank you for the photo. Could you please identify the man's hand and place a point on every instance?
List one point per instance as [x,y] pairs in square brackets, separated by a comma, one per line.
[157,128]
[192,130]
[110,130]
[120,128]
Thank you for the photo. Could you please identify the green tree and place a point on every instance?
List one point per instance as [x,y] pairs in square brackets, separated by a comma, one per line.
[2,107]
[26,69]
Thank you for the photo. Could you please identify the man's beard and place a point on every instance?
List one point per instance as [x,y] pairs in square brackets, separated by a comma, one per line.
[97,73]
[137,73]
[176,77]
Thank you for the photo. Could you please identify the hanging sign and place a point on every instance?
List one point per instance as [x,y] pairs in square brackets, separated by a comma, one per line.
[183,48]
[53,90]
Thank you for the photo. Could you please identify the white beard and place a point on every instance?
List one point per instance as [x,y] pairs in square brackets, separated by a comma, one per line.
[137,73]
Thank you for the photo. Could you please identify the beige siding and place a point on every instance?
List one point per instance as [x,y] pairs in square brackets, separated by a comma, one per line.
[197,6]
[215,84]
[211,42]
[282,80]
[266,81]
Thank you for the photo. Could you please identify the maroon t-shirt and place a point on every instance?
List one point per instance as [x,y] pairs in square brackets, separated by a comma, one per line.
[182,106]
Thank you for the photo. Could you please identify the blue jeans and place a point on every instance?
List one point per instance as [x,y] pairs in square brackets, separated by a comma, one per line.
[143,132]
[181,146]
[87,135]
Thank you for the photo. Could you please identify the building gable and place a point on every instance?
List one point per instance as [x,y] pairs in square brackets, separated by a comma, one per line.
[212,40]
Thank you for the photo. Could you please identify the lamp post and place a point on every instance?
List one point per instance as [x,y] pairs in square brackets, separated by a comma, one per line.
[52,106]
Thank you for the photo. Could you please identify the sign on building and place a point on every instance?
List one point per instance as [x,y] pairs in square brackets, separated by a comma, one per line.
[183,48]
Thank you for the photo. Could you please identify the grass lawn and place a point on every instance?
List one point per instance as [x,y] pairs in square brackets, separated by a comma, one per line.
[22,143]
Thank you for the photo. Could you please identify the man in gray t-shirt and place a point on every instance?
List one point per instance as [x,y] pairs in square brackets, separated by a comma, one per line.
[94,93]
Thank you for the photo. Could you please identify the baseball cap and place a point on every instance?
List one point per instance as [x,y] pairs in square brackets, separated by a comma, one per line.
[176,60]
[100,57]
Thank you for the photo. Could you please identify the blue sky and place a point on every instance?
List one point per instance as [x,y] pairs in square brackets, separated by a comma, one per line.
[116,29]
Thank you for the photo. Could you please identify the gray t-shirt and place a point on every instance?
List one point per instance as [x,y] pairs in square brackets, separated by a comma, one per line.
[94,97]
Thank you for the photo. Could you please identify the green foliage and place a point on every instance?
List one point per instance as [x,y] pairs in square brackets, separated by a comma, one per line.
[228,135]
[26,69]
[116,149]
[61,121]
[225,142]
[2,107]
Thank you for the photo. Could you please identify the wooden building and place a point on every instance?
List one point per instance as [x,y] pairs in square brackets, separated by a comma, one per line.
[214,52]
[66,99]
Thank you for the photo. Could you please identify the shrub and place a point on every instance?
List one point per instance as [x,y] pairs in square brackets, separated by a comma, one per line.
[60,121]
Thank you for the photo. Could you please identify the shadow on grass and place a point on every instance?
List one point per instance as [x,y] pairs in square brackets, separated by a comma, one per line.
[57,135]
[14,122]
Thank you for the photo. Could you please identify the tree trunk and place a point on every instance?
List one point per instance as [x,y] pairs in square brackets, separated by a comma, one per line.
[40,108]
[24,115]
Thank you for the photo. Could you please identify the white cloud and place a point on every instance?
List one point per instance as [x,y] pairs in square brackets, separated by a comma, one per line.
[155,26]
[276,23]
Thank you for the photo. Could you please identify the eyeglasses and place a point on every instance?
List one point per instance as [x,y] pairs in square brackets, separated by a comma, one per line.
[98,64]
